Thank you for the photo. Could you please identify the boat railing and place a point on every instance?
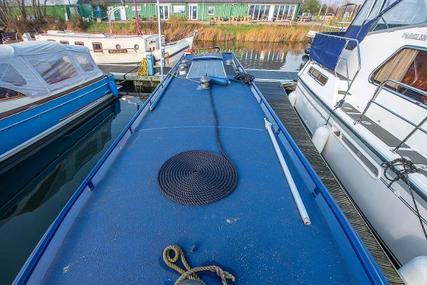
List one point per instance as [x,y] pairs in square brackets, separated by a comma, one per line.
[416,126]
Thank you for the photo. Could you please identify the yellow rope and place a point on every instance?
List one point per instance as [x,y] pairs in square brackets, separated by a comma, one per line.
[190,273]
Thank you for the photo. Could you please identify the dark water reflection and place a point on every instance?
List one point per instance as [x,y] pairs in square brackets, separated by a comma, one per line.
[34,191]
[277,56]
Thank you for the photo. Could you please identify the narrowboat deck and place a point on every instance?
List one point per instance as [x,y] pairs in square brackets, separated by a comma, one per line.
[118,223]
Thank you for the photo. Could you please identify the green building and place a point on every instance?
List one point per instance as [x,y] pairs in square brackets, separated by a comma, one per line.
[196,10]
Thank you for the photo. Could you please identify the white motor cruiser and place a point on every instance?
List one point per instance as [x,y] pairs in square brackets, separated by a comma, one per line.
[362,96]
[120,49]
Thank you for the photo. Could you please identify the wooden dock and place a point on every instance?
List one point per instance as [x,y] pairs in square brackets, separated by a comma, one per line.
[273,75]
[130,72]
[278,100]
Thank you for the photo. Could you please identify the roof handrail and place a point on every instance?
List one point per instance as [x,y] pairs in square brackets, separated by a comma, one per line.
[375,96]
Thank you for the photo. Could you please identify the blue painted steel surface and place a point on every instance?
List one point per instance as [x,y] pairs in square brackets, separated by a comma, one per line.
[23,126]
[114,228]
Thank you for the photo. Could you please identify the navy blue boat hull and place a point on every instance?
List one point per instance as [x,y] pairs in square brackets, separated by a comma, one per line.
[22,129]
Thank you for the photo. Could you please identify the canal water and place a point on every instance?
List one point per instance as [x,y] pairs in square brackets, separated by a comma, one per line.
[34,191]
[254,55]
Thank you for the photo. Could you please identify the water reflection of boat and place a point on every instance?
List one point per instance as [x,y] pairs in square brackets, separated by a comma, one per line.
[363,98]
[28,185]
[45,87]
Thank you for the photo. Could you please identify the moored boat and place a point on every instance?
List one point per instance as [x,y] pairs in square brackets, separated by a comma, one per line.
[45,87]
[120,49]
[363,96]
[204,171]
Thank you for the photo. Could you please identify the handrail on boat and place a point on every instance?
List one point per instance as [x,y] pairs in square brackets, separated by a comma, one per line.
[366,258]
[375,96]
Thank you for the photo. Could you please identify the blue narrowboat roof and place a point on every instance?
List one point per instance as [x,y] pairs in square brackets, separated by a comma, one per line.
[115,227]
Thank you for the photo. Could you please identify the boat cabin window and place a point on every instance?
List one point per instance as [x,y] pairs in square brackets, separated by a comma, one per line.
[408,66]
[79,43]
[85,62]
[64,42]
[9,74]
[406,12]
[8,94]
[55,69]
[318,76]
[97,47]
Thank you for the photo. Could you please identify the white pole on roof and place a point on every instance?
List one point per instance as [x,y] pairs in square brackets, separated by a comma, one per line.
[160,41]
[294,190]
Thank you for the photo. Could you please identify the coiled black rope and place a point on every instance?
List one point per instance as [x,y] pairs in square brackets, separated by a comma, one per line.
[244,78]
[401,168]
[199,177]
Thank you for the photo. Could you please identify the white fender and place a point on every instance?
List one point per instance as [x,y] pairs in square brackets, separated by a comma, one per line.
[292,98]
[414,272]
[320,137]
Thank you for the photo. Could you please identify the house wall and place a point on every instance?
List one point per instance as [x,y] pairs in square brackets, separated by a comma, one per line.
[149,11]
[222,10]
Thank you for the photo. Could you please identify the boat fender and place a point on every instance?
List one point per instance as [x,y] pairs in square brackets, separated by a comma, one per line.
[219,80]
[414,272]
[113,88]
[320,137]
[292,98]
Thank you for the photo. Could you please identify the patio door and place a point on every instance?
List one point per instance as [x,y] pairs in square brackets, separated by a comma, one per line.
[123,13]
[164,12]
[192,12]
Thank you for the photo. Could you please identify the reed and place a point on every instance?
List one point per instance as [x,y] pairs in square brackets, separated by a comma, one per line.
[177,29]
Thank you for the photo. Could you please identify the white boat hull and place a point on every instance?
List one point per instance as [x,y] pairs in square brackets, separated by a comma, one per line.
[121,49]
[386,211]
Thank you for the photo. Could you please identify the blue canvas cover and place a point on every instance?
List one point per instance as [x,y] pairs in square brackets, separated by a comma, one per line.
[326,50]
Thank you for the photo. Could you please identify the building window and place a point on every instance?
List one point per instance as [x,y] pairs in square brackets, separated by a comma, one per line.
[64,42]
[408,66]
[283,12]
[211,10]
[259,12]
[179,9]
[192,12]
[79,43]
[97,47]
[164,12]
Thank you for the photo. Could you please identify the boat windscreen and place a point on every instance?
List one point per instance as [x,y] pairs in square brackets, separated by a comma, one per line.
[10,75]
[44,68]
[404,13]
[206,67]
